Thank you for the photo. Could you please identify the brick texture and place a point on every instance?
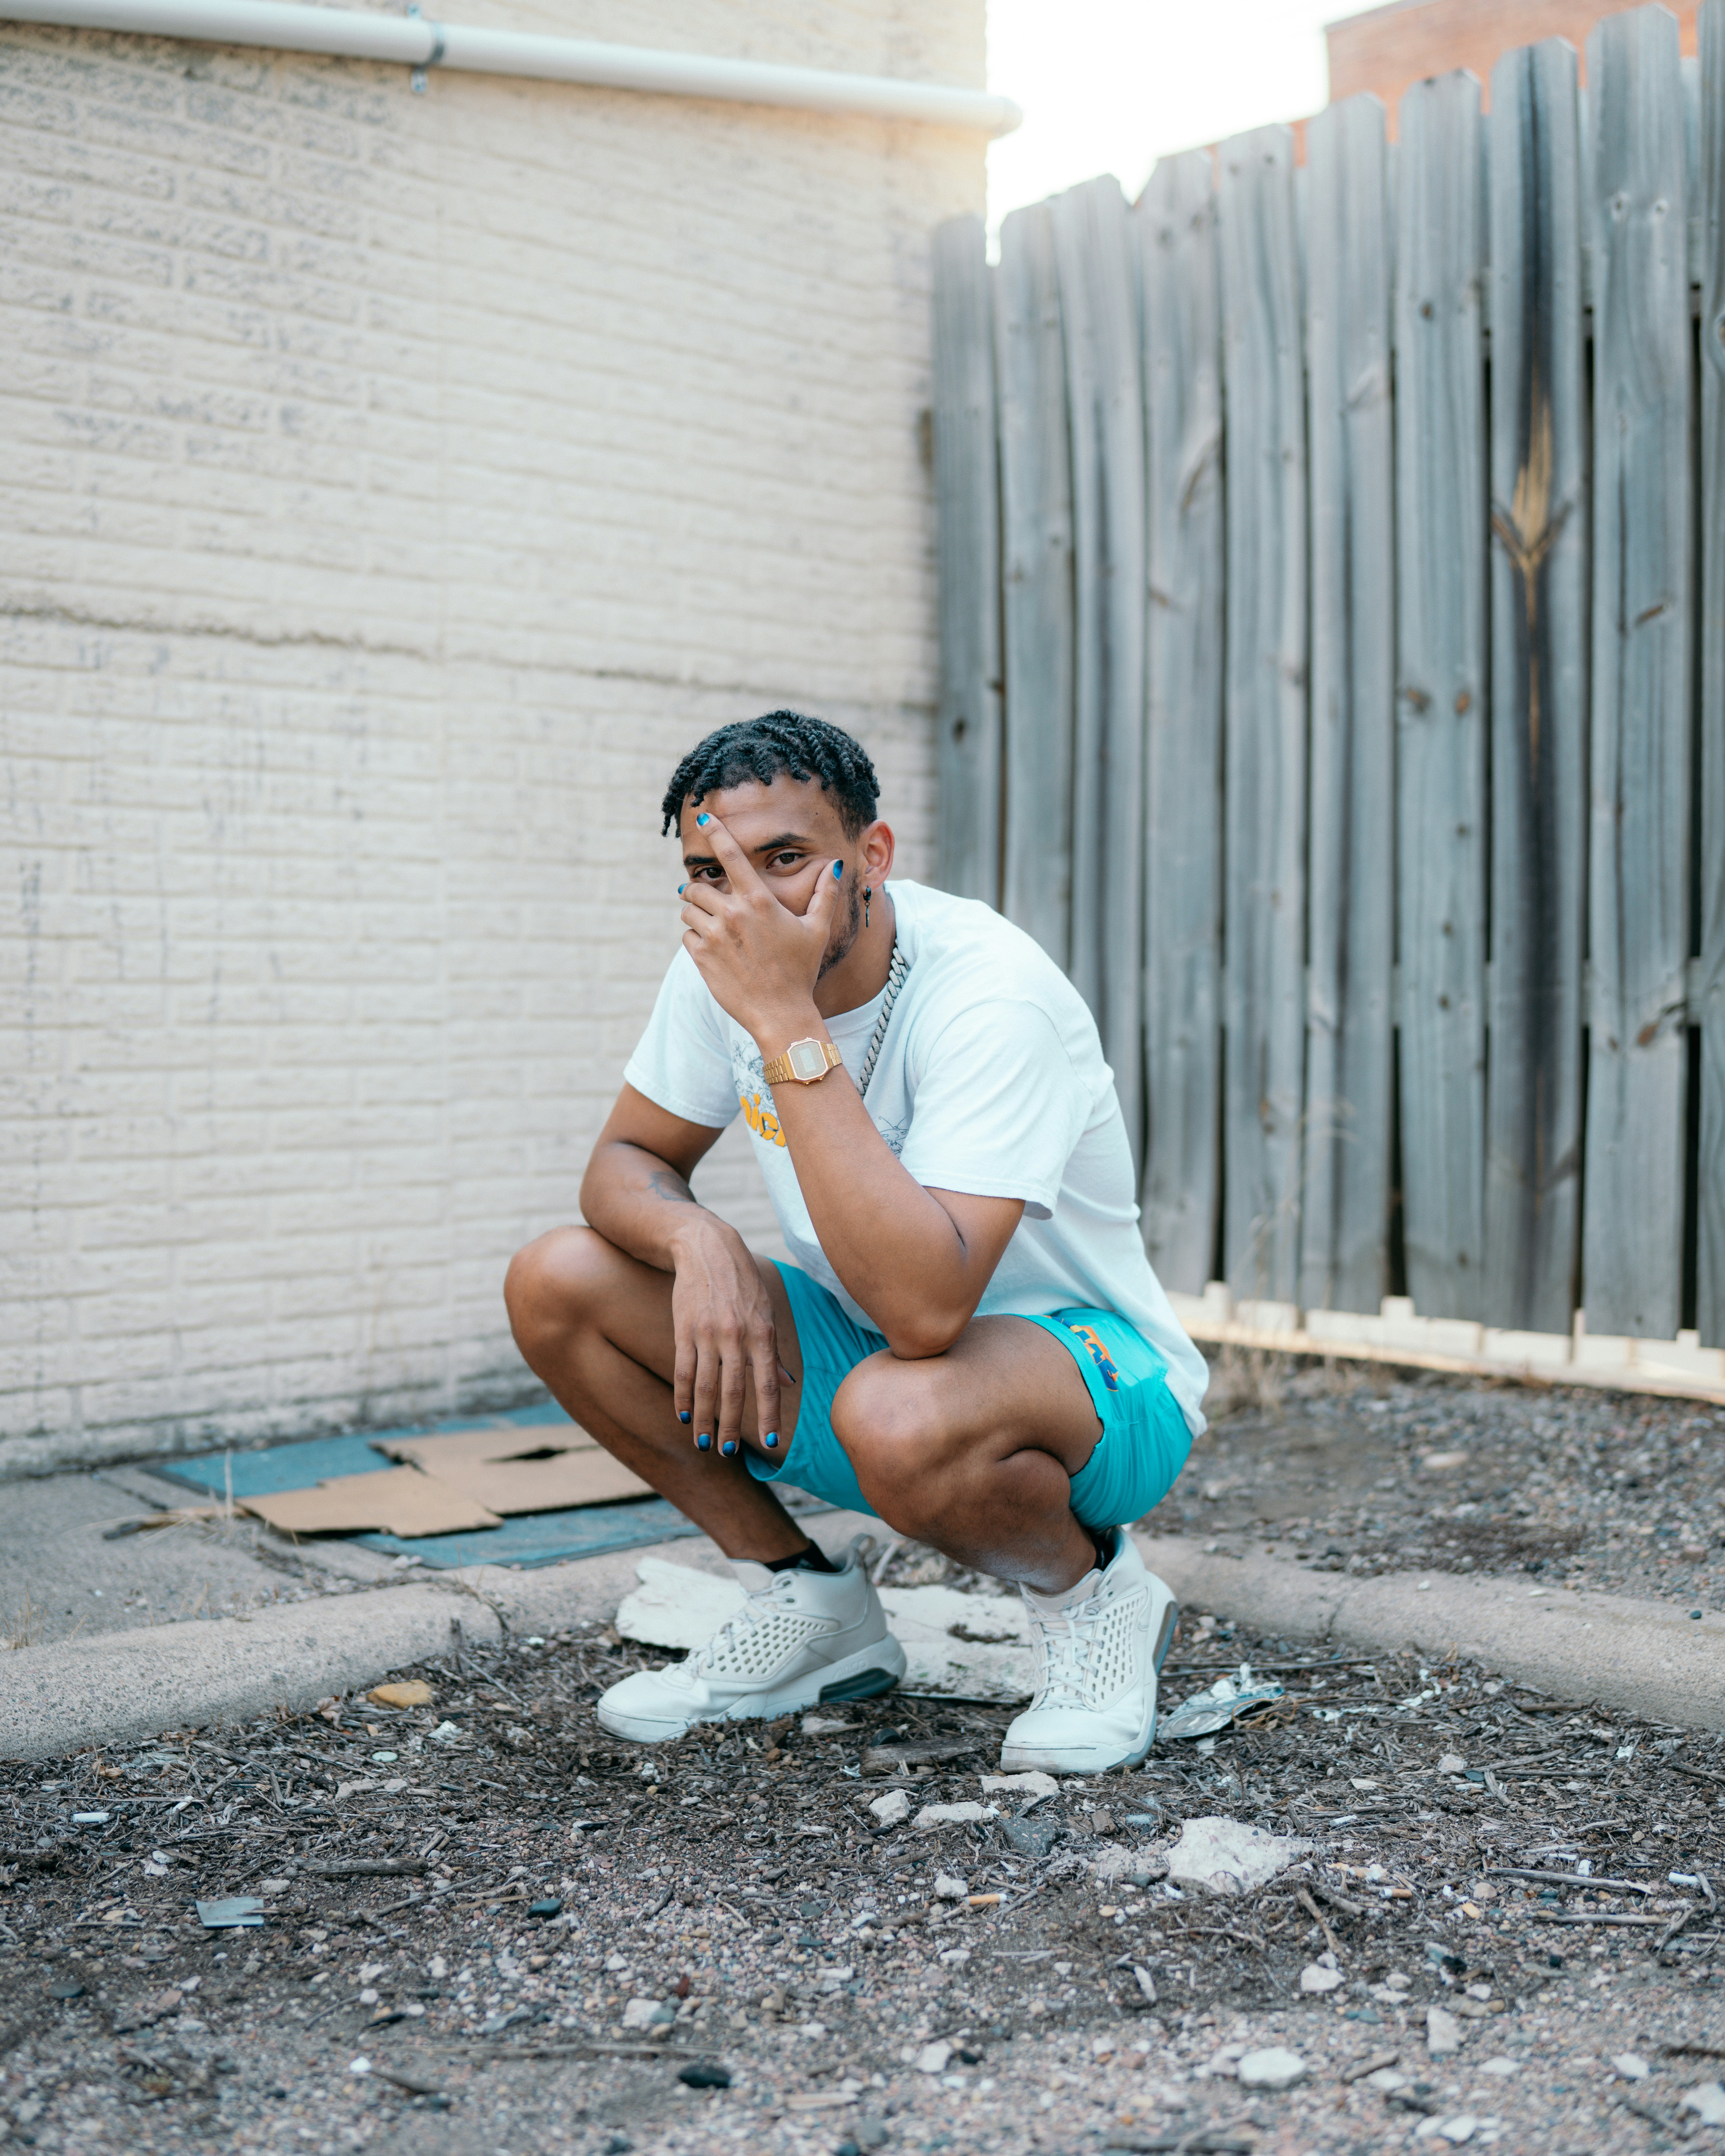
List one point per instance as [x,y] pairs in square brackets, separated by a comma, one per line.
[1386,49]
[394,486]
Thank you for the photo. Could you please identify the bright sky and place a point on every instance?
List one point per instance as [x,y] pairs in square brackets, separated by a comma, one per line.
[1110,85]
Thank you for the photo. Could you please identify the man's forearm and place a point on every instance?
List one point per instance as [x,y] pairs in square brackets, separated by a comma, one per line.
[897,1251]
[641,1204]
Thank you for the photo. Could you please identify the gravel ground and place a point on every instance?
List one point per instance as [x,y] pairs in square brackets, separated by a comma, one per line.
[1367,1469]
[529,1878]
[490,1928]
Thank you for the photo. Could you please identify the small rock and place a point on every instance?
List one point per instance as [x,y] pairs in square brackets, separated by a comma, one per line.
[647,2013]
[871,2133]
[1034,1784]
[1501,2066]
[1228,1857]
[550,1907]
[415,1692]
[1457,2129]
[824,1725]
[932,1816]
[1321,1976]
[447,1733]
[1706,2100]
[1147,1983]
[701,2075]
[947,1888]
[1030,1837]
[892,1809]
[1630,2065]
[933,2058]
[1443,2033]
[1271,2069]
[1452,1763]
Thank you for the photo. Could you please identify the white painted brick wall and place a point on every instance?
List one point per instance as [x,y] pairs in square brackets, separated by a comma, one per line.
[392,488]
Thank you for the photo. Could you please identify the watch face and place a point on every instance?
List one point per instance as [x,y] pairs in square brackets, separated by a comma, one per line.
[807,1059]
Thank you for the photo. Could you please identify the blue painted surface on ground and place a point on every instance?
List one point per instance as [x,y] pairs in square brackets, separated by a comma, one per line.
[530,1538]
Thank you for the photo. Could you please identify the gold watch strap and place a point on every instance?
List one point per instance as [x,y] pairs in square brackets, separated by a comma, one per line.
[783,1071]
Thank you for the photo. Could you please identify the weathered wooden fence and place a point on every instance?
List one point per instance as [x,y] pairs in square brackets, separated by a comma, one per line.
[1333,569]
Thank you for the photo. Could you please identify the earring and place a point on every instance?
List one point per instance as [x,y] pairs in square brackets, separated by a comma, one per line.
[868,893]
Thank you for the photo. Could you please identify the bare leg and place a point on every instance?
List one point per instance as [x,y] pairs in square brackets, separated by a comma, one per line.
[974,1450]
[595,1325]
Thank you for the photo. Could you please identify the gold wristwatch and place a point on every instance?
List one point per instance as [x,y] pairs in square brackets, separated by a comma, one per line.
[803,1063]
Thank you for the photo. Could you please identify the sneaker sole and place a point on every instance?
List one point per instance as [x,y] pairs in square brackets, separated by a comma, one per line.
[865,1675]
[1020,1759]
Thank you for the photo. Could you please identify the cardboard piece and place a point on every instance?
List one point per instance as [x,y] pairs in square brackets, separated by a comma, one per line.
[483,1444]
[397,1501]
[561,1484]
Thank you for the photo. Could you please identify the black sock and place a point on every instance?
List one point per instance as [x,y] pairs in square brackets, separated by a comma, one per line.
[810,1559]
[1106,1546]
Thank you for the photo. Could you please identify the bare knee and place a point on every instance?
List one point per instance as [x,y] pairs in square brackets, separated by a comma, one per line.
[555,1282]
[887,1416]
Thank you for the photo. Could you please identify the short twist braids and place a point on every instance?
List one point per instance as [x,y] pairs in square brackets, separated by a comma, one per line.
[780,742]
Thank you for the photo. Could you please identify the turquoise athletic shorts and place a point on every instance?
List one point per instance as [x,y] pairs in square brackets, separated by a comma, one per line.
[1142,1447]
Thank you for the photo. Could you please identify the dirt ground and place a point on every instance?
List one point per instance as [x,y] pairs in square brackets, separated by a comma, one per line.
[489,1927]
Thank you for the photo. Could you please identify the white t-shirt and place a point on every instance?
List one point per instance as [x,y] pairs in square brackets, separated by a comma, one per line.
[990,1082]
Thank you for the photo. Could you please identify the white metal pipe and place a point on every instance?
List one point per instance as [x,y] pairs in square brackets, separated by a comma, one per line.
[412,41]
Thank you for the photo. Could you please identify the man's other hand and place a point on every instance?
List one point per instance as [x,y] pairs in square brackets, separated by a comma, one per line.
[723,1320]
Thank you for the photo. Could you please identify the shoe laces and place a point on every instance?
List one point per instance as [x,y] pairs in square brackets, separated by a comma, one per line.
[753,1613]
[1065,1637]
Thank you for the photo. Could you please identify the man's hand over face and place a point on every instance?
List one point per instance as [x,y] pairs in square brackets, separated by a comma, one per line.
[760,960]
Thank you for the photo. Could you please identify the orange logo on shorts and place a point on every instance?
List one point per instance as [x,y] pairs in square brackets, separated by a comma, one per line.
[1099,1355]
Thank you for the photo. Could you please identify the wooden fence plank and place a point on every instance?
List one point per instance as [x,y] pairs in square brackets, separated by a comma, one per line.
[1710,1193]
[1538,730]
[1638,849]
[1265,779]
[1440,778]
[1099,308]
[1037,596]
[1344,1239]
[968,524]
[1183,629]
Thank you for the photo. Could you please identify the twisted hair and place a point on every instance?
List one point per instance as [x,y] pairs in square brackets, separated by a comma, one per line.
[786,741]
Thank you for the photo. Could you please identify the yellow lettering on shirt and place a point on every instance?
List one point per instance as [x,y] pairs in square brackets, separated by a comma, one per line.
[760,1120]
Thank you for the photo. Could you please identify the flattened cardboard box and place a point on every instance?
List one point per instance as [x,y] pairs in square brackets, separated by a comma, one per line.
[396,1500]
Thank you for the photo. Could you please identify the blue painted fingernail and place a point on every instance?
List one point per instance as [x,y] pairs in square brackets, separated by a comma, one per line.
[684,1415]
[838,870]
[681,888]
[703,819]
[728,1446]
[705,1442]
[771,1441]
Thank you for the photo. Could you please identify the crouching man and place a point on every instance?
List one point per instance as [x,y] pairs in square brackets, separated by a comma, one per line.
[970,1344]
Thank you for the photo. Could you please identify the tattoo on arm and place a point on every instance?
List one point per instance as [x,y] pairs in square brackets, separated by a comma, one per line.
[666,1183]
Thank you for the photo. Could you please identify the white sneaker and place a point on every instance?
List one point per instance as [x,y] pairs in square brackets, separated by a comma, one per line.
[801,1639]
[1099,1647]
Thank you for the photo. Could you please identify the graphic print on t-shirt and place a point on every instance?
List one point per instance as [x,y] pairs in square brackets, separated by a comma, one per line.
[749,1073]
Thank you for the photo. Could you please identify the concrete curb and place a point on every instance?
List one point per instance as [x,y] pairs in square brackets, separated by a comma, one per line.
[1650,1657]
[124,1688]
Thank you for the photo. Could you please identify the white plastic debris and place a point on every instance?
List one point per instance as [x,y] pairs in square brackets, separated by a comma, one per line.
[676,1606]
[1443,2033]
[1271,2069]
[1225,1857]
[955,1814]
[1630,2067]
[1706,2100]
[1222,1702]
[1034,1784]
[446,1732]
[892,1809]
[947,1888]
[1322,1975]
[824,1725]
[933,2058]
